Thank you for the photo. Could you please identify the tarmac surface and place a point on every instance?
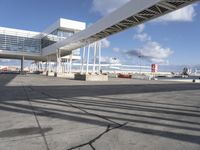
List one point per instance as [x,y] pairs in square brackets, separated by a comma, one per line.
[48,113]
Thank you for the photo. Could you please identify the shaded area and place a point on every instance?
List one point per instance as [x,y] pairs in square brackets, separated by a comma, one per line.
[144,115]
[5,78]
[102,90]
[22,132]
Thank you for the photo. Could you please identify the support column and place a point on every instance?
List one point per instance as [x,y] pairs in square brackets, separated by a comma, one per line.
[94,61]
[63,66]
[99,48]
[88,59]
[48,62]
[83,60]
[58,66]
[22,64]
[67,65]
[70,64]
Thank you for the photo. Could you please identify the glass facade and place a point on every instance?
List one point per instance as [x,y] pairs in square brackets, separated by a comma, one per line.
[48,40]
[62,33]
[55,36]
[19,43]
[76,52]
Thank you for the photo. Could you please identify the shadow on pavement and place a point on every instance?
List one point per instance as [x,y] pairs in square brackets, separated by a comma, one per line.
[98,100]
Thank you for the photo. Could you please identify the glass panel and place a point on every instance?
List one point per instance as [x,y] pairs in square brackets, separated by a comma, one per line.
[17,43]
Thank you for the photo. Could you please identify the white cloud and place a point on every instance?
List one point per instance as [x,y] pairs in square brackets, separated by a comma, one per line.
[119,50]
[151,51]
[142,37]
[155,52]
[107,6]
[140,28]
[105,43]
[110,60]
[114,60]
[185,14]
[116,49]
[105,59]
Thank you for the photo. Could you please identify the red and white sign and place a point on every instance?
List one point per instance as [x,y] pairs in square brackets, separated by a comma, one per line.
[154,68]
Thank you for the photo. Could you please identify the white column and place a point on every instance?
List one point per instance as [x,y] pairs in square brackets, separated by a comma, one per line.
[58,66]
[48,64]
[67,65]
[57,59]
[99,48]
[64,68]
[70,64]
[83,60]
[94,62]
[88,59]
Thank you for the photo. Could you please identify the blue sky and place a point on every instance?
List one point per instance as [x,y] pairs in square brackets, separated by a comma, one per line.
[174,39]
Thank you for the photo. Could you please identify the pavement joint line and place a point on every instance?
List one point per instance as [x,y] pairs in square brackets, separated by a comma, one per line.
[35,115]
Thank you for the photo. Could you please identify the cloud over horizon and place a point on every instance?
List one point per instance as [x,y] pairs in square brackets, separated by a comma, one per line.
[151,51]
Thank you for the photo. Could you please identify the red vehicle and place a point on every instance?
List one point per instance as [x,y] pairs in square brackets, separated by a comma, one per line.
[124,76]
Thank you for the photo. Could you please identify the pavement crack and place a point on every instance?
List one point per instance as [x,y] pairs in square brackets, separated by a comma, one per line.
[110,127]
[93,148]
[36,118]
[90,143]
[91,114]
[76,107]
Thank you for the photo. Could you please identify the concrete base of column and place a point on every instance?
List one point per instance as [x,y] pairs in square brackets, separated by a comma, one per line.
[23,72]
[91,77]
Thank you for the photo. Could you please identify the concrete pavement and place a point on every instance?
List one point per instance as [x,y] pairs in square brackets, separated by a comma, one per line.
[39,113]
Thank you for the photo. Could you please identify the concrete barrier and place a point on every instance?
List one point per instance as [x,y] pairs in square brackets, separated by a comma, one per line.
[65,75]
[51,74]
[91,77]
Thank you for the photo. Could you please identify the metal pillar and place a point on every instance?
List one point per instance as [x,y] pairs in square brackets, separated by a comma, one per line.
[83,60]
[88,59]
[22,64]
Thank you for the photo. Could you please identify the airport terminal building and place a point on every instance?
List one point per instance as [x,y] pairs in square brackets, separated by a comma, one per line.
[65,37]
[23,44]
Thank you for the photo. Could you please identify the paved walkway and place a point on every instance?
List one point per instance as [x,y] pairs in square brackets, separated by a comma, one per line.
[47,113]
